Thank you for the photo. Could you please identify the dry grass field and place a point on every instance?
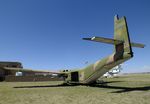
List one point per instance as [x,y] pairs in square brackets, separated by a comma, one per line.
[128,89]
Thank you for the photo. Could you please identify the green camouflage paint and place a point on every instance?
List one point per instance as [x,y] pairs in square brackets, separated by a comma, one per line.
[122,53]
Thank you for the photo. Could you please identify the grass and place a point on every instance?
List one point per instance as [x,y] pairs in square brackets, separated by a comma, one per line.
[129,89]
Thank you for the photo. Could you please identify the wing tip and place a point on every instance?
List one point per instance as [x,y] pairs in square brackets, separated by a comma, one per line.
[86,38]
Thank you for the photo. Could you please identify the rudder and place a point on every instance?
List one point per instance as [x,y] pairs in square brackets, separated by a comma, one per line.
[121,33]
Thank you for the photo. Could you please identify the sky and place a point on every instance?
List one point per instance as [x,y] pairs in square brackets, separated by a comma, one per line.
[47,34]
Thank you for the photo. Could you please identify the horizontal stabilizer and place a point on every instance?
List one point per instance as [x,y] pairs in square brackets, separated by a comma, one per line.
[138,45]
[113,41]
[104,40]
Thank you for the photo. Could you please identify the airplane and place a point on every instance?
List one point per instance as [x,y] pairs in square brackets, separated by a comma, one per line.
[114,72]
[122,52]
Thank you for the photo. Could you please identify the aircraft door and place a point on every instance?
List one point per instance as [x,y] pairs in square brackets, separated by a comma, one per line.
[74,76]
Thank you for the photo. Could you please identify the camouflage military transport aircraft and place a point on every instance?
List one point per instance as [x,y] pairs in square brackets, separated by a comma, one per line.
[122,52]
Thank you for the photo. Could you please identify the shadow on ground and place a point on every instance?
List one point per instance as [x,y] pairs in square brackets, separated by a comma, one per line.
[44,86]
[101,85]
[63,85]
[123,89]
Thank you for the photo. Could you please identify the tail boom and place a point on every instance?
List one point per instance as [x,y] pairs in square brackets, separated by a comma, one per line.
[122,52]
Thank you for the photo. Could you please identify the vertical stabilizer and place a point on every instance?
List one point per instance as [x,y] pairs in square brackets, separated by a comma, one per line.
[121,33]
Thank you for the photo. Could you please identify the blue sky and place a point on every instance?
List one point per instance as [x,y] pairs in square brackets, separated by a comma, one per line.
[47,34]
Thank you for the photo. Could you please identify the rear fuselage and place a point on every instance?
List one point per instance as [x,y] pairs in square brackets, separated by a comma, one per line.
[122,52]
[91,73]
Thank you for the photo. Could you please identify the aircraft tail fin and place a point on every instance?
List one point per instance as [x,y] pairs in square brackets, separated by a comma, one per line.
[121,39]
[121,33]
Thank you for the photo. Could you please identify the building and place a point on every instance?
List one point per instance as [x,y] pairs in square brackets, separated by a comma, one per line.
[4,64]
[13,71]
[11,64]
